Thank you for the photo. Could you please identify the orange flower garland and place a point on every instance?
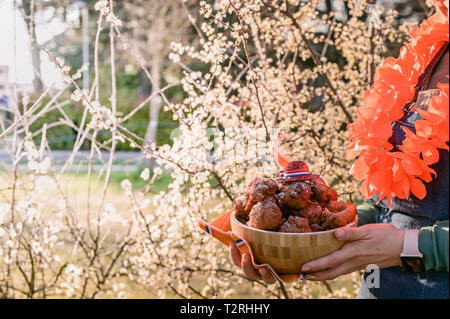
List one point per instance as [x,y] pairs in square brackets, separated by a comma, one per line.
[401,173]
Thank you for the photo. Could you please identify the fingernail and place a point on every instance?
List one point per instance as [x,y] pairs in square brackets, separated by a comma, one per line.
[306,268]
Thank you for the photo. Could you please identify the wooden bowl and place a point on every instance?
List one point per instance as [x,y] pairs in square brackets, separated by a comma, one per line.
[287,252]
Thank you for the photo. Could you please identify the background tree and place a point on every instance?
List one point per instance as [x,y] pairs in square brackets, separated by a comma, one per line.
[151,29]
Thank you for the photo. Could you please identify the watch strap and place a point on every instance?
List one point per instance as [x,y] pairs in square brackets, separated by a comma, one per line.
[412,258]
[411,243]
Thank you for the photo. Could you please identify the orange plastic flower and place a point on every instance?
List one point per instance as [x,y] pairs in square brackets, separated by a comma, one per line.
[404,172]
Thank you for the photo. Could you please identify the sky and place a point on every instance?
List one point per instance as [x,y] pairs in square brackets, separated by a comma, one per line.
[14,37]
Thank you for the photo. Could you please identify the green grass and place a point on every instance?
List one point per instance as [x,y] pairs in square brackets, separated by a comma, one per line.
[161,184]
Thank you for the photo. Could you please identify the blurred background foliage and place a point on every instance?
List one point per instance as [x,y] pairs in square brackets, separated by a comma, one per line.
[132,85]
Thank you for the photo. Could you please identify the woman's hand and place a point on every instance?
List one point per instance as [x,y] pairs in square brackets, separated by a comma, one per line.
[245,263]
[379,244]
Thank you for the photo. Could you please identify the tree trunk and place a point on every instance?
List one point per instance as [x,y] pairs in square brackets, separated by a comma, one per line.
[36,54]
[155,105]
[29,10]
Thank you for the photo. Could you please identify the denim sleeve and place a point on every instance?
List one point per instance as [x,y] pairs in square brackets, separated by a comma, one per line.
[433,244]
[368,213]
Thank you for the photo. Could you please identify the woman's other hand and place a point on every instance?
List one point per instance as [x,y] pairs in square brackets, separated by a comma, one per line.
[245,263]
[379,244]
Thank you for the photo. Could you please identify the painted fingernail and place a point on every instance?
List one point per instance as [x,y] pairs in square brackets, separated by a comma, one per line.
[306,276]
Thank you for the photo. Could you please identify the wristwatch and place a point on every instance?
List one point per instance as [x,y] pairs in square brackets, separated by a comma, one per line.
[412,258]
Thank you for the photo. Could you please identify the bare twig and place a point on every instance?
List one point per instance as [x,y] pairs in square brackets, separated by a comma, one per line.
[314,56]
